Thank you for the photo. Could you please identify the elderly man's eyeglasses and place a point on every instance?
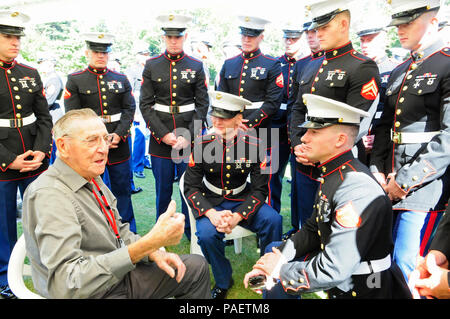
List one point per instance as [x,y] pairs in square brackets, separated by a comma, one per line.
[95,140]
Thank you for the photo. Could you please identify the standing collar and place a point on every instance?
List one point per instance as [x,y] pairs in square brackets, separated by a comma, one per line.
[334,163]
[252,54]
[424,53]
[7,65]
[317,54]
[334,53]
[174,57]
[97,70]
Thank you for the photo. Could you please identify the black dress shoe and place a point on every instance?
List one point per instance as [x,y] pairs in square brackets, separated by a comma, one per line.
[148,166]
[136,190]
[6,293]
[221,293]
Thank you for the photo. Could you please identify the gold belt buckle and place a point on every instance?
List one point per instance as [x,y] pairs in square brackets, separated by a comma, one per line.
[175,109]
[13,123]
[397,137]
[106,118]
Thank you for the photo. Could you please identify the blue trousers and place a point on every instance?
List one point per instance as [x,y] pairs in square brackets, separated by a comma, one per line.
[164,171]
[53,154]
[413,232]
[303,195]
[117,178]
[280,154]
[8,226]
[267,224]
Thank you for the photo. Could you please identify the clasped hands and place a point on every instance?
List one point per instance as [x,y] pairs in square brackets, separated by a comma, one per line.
[224,220]
[22,164]
[177,143]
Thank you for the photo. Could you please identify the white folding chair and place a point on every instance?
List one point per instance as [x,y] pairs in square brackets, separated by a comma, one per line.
[237,234]
[17,269]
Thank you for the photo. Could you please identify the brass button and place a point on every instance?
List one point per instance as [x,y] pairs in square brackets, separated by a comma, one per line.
[325,62]
[413,66]
[353,293]
[17,97]
[175,77]
[16,88]
[3,164]
[105,104]
[105,112]
[291,282]
[322,246]
[321,70]
[313,89]
[101,76]
[19,107]
[242,90]
[246,61]
[335,52]
[174,86]
[228,166]
[404,186]
[397,124]
[425,169]
[174,70]
[173,63]
[173,102]
[301,280]
[228,175]
[103,89]
[398,112]
[409,77]
[420,91]
[18,115]
[316,79]
[13,79]
[211,170]
[415,178]
[405,88]
[324,169]
[88,91]
[402,99]
[104,97]
[174,94]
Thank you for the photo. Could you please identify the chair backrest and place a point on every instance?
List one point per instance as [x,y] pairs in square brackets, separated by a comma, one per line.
[15,272]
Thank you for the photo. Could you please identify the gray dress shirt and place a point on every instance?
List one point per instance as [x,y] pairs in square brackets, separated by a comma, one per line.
[72,248]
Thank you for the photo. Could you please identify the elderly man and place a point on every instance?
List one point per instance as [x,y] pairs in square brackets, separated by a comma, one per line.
[217,190]
[76,241]
[345,246]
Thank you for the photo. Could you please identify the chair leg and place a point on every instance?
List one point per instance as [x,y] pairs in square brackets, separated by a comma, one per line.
[238,246]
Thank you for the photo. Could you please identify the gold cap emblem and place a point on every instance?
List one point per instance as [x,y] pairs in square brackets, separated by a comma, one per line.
[247,19]
[218,96]
[14,14]
[101,36]
[171,17]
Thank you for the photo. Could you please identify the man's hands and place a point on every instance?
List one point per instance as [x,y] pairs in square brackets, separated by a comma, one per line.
[390,186]
[115,141]
[175,142]
[224,221]
[430,278]
[23,165]
[169,263]
[167,231]
[266,266]
[300,155]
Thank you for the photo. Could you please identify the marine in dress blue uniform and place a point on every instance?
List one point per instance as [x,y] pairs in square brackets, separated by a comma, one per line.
[291,35]
[373,45]
[25,133]
[341,73]
[345,247]
[412,139]
[174,102]
[254,76]
[109,95]
[215,183]
[303,183]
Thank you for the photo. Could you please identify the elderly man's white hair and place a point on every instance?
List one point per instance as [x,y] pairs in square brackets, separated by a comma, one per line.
[71,121]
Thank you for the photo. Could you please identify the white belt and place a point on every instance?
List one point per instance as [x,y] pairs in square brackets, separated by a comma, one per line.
[254,106]
[174,108]
[223,192]
[13,123]
[111,118]
[412,137]
[283,106]
[373,266]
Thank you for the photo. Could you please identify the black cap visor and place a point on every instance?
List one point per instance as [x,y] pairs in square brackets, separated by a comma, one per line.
[11,30]
[408,16]
[223,114]
[324,19]
[320,122]
[99,47]
[251,32]
[175,32]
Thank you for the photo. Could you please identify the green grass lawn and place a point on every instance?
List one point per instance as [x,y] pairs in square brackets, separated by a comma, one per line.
[145,214]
